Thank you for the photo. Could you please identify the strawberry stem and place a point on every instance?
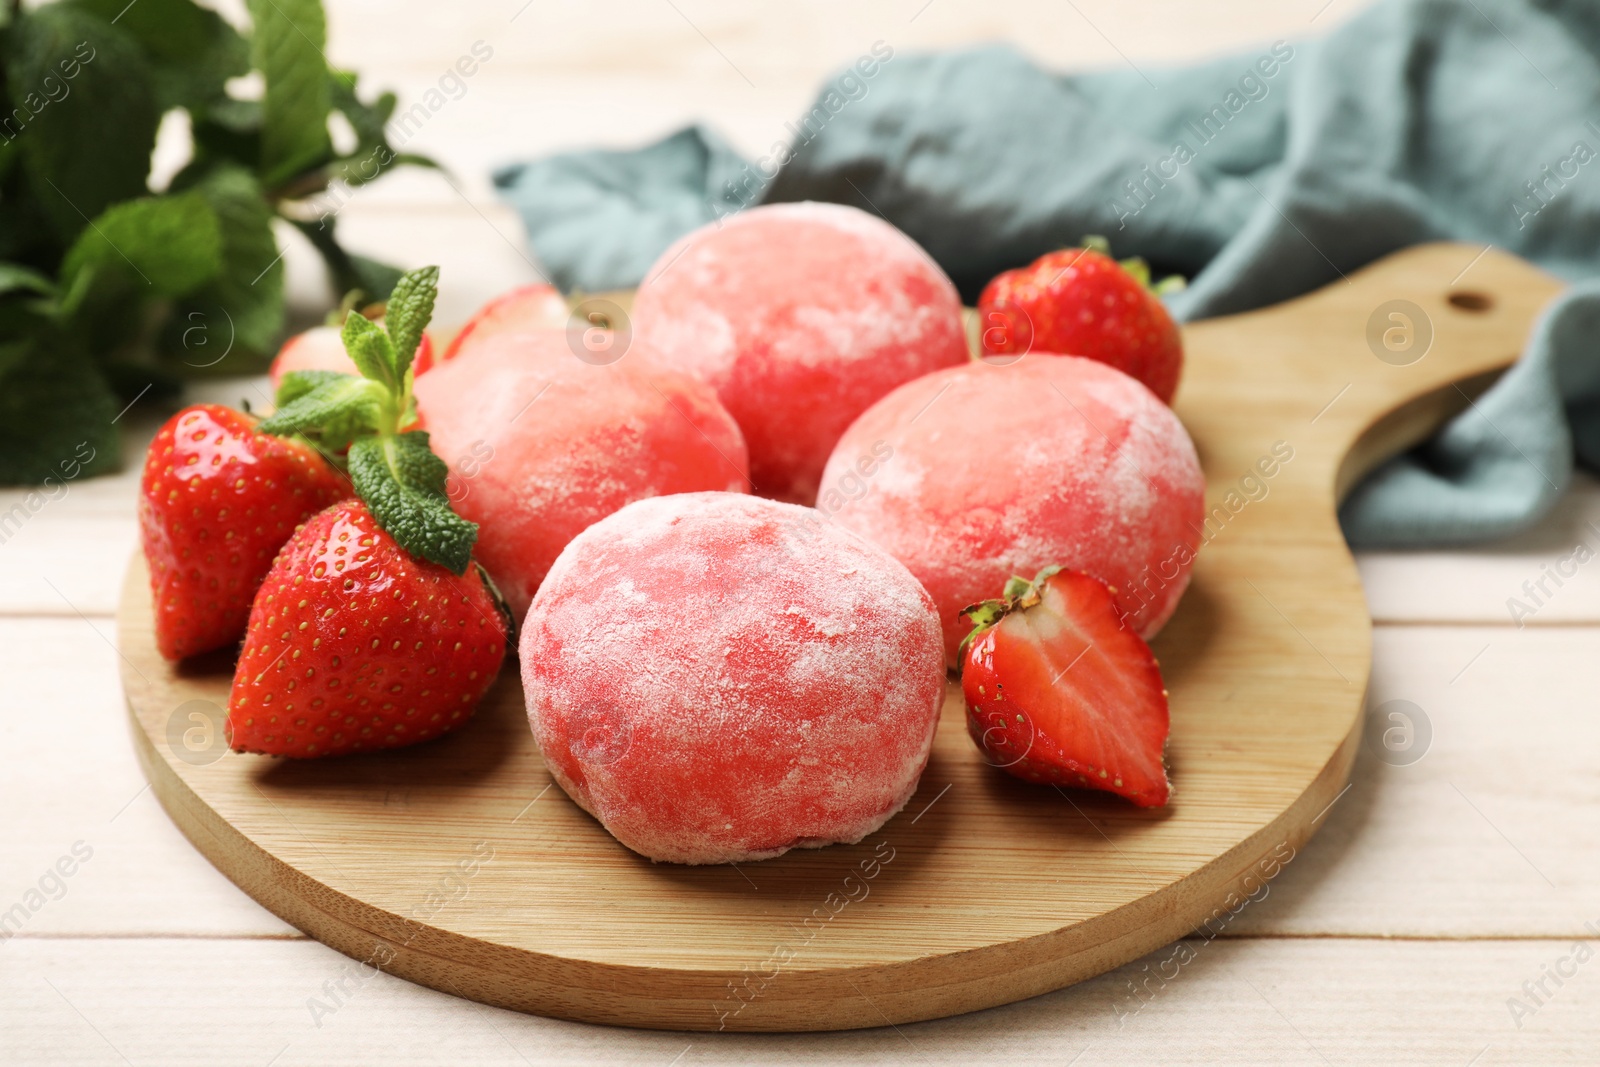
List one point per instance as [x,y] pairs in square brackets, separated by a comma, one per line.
[1136,266]
[1019,594]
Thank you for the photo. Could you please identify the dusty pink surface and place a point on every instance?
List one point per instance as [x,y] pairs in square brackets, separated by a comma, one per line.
[981,472]
[540,444]
[719,677]
[800,315]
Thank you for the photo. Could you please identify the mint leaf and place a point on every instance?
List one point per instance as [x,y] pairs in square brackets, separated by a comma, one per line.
[289,39]
[343,419]
[163,245]
[14,277]
[345,401]
[349,271]
[370,349]
[26,233]
[192,50]
[373,155]
[225,131]
[86,139]
[368,120]
[55,422]
[409,308]
[243,304]
[27,304]
[403,484]
[297,383]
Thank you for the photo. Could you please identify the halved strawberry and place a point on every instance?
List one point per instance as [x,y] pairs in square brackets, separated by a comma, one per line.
[1061,691]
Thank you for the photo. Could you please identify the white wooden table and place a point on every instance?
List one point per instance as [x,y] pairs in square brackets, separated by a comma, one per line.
[1434,893]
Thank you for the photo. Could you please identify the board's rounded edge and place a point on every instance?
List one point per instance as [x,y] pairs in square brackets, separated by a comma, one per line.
[819,1000]
[808,1000]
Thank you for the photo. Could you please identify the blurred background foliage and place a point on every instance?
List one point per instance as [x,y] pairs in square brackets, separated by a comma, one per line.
[110,290]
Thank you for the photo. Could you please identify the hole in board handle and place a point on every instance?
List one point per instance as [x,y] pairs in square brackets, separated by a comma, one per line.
[1469,300]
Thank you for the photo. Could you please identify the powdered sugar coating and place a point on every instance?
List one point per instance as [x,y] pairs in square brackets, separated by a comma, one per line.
[541,444]
[718,678]
[1002,470]
[801,316]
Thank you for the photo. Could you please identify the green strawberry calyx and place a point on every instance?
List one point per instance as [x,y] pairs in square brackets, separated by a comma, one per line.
[1019,594]
[393,469]
[1137,267]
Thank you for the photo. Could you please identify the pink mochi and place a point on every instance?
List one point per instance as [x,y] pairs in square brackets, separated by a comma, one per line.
[541,444]
[801,316]
[719,678]
[973,474]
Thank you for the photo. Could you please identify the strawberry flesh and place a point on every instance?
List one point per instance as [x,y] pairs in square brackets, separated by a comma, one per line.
[1062,692]
[217,500]
[354,645]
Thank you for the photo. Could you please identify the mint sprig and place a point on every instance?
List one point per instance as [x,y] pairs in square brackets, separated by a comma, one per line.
[394,471]
[111,291]
[402,482]
[370,349]
[297,383]
[334,412]
[409,308]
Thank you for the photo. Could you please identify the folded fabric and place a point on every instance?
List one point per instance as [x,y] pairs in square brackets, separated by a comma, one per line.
[1261,176]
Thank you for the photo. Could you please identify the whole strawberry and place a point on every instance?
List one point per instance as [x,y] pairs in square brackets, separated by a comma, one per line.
[374,627]
[216,502]
[1059,689]
[355,644]
[1081,302]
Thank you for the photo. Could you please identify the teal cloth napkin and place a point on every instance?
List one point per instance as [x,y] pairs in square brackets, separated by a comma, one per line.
[1416,120]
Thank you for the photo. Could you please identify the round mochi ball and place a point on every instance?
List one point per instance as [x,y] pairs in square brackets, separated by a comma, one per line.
[540,444]
[800,316]
[719,678]
[971,475]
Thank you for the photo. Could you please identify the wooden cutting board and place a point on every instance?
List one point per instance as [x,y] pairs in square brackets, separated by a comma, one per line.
[461,866]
